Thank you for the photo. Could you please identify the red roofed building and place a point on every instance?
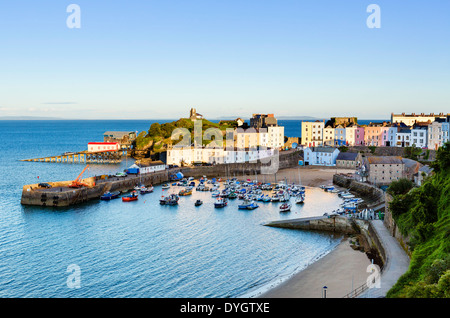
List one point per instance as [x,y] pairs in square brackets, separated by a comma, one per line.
[103,146]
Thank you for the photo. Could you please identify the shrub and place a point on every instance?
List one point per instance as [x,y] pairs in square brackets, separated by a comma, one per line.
[400,186]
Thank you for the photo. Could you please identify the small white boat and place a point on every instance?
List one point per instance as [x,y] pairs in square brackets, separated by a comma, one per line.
[299,199]
[285,207]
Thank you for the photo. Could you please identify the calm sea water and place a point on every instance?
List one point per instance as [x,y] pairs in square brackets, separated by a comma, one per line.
[136,249]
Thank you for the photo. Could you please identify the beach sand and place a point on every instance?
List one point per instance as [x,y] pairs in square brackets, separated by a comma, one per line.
[339,270]
[342,269]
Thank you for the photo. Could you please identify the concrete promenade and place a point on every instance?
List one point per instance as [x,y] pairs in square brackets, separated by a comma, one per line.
[396,265]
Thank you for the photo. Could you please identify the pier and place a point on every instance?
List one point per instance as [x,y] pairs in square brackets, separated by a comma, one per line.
[84,157]
[61,195]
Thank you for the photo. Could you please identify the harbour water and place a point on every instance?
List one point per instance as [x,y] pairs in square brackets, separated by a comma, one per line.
[137,249]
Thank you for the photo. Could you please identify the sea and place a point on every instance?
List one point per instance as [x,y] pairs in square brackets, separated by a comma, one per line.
[138,249]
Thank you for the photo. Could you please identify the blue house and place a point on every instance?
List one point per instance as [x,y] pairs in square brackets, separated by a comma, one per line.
[339,136]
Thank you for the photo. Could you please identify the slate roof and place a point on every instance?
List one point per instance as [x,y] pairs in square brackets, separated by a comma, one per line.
[384,160]
[351,156]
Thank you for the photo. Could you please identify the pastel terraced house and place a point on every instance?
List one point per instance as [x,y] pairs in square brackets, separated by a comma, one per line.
[312,133]
[373,135]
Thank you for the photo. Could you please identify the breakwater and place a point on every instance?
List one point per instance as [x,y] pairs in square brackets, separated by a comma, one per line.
[368,238]
[373,196]
[60,194]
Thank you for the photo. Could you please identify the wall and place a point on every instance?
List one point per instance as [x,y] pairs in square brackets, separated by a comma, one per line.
[67,196]
[369,193]
[392,227]
[286,159]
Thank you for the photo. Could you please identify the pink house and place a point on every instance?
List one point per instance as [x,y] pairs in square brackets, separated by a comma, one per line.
[359,136]
[384,136]
[373,135]
[354,135]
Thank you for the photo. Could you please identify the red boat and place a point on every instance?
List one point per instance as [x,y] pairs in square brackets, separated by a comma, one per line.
[132,197]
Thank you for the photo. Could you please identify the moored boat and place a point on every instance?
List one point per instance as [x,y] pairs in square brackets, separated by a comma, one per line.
[171,199]
[133,196]
[221,202]
[285,207]
[110,195]
[299,199]
[198,202]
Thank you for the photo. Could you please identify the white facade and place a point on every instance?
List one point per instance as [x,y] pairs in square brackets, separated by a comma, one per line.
[218,155]
[328,136]
[435,136]
[275,137]
[153,167]
[391,136]
[322,156]
[419,137]
[403,138]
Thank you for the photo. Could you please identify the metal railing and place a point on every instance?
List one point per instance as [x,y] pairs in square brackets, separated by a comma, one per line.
[357,291]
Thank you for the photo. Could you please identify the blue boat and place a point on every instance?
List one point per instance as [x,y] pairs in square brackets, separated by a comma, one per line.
[252,206]
[245,205]
[110,195]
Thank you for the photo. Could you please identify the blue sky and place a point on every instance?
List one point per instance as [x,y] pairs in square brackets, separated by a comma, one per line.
[156,59]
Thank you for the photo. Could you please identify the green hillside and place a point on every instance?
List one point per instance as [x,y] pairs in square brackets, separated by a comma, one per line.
[158,137]
[423,214]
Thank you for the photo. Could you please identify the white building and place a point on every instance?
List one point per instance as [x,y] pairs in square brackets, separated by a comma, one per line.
[150,167]
[419,136]
[391,137]
[411,119]
[328,136]
[435,136]
[403,137]
[275,137]
[190,155]
[323,156]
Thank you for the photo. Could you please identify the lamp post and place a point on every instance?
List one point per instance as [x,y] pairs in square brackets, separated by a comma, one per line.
[324,292]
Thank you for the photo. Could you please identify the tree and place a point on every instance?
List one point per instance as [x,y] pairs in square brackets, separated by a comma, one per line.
[155,130]
[401,186]
[442,158]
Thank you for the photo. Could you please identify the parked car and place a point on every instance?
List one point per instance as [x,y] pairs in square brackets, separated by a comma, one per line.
[121,174]
[44,185]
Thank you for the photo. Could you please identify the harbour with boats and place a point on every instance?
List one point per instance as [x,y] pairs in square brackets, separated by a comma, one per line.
[166,238]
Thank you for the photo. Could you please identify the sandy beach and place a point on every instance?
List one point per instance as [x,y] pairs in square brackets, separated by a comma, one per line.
[340,270]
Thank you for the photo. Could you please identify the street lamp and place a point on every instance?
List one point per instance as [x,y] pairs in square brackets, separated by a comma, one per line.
[324,292]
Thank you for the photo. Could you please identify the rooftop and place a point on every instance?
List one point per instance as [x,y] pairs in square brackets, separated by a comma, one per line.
[384,160]
[118,134]
[323,149]
[347,156]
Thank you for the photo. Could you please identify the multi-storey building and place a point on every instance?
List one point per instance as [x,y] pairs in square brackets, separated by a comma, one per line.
[189,155]
[339,136]
[438,134]
[328,136]
[382,170]
[323,156]
[419,136]
[403,137]
[373,135]
[312,133]
[411,119]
